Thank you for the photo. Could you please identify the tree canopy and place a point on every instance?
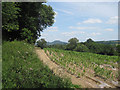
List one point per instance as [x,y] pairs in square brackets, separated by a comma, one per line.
[25,20]
[81,48]
[41,43]
[72,43]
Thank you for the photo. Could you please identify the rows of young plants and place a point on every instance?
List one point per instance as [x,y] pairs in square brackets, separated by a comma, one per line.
[79,63]
[22,69]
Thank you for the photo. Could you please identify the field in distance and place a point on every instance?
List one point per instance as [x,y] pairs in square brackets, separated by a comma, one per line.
[84,64]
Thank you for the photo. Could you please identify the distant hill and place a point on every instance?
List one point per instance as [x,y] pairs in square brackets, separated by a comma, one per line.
[112,42]
[56,42]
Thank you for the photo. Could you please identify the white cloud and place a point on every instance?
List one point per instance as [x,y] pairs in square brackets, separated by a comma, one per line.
[95,9]
[78,23]
[94,34]
[81,28]
[72,33]
[109,29]
[68,12]
[113,20]
[71,27]
[65,11]
[52,29]
[91,20]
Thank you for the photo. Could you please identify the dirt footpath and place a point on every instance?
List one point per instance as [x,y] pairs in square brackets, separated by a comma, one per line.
[58,70]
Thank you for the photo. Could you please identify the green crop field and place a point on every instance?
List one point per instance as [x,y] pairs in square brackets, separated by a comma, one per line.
[85,63]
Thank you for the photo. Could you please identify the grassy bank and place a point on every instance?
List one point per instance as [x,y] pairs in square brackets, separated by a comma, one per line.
[0,66]
[22,69]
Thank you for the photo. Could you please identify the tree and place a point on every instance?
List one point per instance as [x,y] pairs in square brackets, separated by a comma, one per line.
[118,48]
[10,13]
[89,40]
[89,43]
[72,43]
[99,48]
[25,20]
[108,50]
[41,43]
[35,19]
[81,48]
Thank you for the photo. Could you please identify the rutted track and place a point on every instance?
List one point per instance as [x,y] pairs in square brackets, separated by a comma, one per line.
[85,82]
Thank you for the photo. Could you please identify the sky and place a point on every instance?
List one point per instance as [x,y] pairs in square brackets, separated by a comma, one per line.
[83,20]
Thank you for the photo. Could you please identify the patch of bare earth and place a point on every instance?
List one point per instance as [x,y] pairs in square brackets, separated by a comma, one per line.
[85,81]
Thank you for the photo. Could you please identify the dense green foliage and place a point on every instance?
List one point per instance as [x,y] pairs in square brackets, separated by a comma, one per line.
[81,48]
[101,48]
[10,23]
[118,49]
[41,43]
[58,46]
[25,20]
[101,65]
[89,46]
[112,42]
[0,66]
[22,69]
[9,16]
[72,44]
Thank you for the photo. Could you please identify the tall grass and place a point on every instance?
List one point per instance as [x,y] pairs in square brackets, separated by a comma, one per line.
[22,69]
[0,66]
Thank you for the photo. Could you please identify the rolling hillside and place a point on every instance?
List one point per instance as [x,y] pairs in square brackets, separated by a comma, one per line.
[56,42]
[113,42]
